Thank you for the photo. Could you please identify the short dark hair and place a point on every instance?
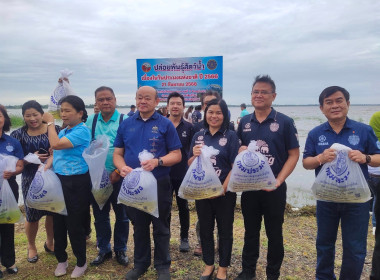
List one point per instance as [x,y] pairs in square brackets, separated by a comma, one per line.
[265,79]
[210,92]
[330,91]
[7,119]
[32,104]
[198,107]
[133,106]
[77,103]
[176,94]
[243,105]
[223,106]
[104,88]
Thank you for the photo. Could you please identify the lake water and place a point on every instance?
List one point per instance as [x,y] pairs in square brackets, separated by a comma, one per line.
[306,118]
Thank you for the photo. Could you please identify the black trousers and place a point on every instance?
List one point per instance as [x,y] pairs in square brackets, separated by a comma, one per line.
[271,206]
[183,209]
[220,209]
[375,273]
[77,192]
[161,229]
[7,234]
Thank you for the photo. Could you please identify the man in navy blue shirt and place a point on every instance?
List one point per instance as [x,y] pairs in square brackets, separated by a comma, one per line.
[334,103]
[277,139]
[150,131]
[132,111]
[176,106]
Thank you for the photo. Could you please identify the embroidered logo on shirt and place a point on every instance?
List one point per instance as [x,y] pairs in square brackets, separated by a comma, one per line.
[322,140]
[274,127]
[378,144]
[223,141]
[9,147]
[184,134]
[155,129]
[353,139]
[247,127]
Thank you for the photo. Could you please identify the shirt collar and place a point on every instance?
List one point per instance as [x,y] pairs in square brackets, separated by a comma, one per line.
[272,115]
[220,131]
[347,125]
[154,116]
[114,117]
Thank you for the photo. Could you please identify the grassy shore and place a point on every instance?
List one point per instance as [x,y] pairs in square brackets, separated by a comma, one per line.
[299,263]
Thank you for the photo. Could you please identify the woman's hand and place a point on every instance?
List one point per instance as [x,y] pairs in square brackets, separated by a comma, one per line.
[42,157]
[197,150]
[242,148]
[7,174]
[47,117]
[114,177]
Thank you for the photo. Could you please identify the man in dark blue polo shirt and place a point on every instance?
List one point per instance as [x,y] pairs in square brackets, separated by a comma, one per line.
[277,139]
[176,106]
[334,103]
[150,131]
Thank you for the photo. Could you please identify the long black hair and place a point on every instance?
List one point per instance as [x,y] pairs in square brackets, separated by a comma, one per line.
[77,103]
[223,106]
[7,119]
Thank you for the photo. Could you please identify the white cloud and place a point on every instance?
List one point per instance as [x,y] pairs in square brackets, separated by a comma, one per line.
[304,45]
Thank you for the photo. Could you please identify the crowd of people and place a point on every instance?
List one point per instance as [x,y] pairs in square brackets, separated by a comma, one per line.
[176,138]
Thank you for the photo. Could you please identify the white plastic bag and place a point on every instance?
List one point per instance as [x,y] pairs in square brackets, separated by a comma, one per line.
[32,158]
[251,172]
[341,180]
[139,188]
[95,156]
[9,211]
[45,192]
[201,180]
[61,90]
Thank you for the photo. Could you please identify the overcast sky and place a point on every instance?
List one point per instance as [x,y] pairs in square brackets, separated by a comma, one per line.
[304,45]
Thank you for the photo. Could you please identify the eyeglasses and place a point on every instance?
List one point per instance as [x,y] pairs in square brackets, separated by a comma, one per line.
[263,92]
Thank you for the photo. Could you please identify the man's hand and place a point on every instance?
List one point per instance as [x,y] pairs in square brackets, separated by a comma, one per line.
[357,156]
[114,177]
[125,171]
[149,165]
[328,155]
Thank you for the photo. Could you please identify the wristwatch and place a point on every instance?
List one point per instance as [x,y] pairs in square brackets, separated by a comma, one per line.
[367,159]
[160,162]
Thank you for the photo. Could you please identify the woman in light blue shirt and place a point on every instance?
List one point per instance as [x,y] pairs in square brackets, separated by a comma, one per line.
[72,171]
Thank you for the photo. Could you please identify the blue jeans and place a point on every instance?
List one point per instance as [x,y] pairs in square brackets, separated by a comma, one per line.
[354,219]
[373,182]
[103,225]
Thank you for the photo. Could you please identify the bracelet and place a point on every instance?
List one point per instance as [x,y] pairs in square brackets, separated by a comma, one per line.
[319,159]
[117,171]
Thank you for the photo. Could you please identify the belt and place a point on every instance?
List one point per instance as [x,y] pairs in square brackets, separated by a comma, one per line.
[374,175]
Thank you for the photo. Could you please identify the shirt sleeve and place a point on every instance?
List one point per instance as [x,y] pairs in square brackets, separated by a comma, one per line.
[79,136]
[119,143]
[18,149]
[373,146]
[310,150]
[291,139]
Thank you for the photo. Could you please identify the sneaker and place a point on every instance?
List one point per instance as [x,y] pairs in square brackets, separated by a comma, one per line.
[135,274]
[79,271]
[61,269]
[198,250]
[244,275]
[374,230]
[163,274]
[184,247]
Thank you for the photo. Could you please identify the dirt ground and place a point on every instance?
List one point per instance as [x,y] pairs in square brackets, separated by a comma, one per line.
[299,262]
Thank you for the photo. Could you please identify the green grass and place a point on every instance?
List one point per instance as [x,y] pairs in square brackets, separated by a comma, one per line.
[16,121]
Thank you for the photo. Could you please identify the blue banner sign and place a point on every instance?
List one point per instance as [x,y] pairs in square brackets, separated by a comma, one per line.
[190,76]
